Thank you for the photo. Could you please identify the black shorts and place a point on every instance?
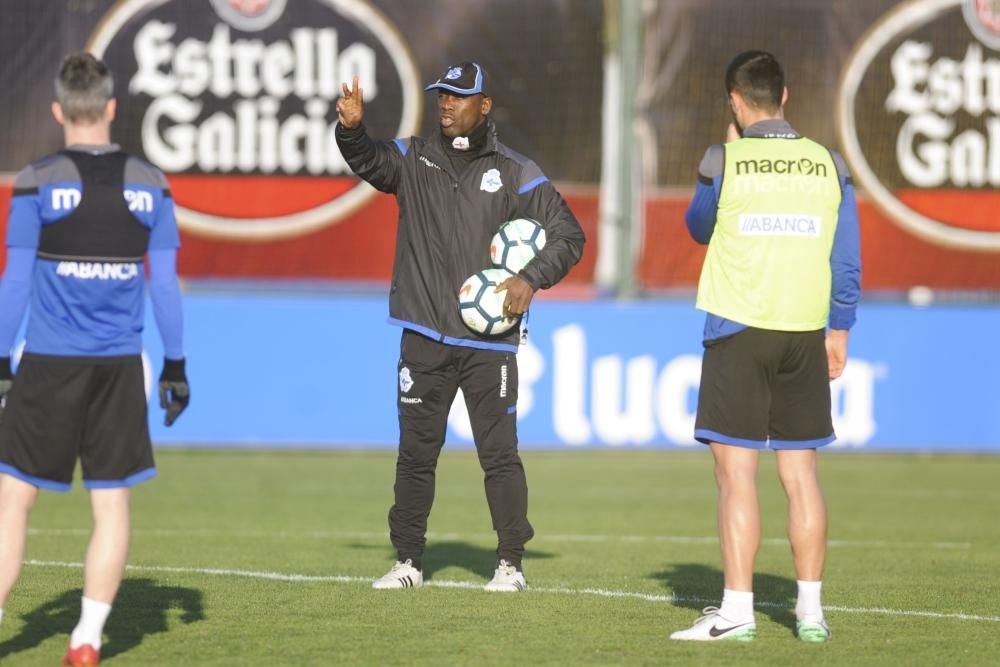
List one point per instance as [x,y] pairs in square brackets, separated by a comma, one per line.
[764,388]
[63,408]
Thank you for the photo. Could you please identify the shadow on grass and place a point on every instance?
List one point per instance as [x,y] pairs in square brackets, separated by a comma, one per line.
[141,608]
[695,586]
[479,561]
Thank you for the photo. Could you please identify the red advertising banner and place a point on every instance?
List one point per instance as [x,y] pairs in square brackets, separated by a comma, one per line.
[235,102]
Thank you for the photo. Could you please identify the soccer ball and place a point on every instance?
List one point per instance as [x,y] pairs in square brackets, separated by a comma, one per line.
[480,306]
[515,243]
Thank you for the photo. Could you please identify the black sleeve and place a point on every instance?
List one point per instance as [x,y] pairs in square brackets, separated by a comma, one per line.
[377,162]
[564,237]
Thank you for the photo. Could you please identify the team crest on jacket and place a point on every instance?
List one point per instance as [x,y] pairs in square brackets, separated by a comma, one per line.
[405,381]
[491,181]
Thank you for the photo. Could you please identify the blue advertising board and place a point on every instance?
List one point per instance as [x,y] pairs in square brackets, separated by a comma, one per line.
[319,370]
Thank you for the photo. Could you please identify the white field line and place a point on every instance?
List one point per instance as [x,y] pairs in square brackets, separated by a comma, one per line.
[473,585]
[371,535]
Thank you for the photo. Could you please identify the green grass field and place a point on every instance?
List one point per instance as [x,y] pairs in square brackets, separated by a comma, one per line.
[264,558]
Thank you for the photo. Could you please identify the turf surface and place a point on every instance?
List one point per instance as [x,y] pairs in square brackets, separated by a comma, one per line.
[264,558]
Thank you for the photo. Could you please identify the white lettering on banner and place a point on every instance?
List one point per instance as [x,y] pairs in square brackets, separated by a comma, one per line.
[261,76]
[944,86]
[630,403]
[927,159]
[779,224]
[98,270]
[930,94]
[853,397]
[677,384]
[612,424]
[569,345]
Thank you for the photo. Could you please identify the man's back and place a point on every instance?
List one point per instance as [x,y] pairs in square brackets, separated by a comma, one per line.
[768,261]
[90,213]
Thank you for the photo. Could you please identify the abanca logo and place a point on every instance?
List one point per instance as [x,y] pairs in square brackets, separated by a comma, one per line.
[933,165]
[234,100]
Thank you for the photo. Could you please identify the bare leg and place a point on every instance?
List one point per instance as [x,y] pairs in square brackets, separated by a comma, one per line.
[16,500]
[806,511]
[109,544]
[739,514]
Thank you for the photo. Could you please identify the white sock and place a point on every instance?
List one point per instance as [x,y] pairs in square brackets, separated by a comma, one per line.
[808,605]
[737,606]
[93,614]
[1,615]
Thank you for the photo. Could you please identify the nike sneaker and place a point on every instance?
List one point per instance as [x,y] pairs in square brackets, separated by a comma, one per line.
[810,631]
[711,627]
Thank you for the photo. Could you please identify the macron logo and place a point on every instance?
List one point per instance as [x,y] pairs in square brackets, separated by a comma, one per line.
[67,199]
[139,201]
[428,162]
[97,270]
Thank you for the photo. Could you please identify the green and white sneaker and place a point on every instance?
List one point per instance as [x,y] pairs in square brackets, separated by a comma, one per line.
[402,575]
[712,627]
[810,631]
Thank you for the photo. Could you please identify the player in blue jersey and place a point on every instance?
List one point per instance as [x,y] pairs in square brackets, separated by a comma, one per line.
[83,222]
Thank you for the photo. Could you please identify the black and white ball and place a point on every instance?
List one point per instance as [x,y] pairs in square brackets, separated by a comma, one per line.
[481,306]
[515,243]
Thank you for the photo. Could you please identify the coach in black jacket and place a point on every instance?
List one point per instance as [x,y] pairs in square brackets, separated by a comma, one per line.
[454,189]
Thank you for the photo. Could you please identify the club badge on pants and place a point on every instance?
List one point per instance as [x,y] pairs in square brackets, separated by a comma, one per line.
[405,381]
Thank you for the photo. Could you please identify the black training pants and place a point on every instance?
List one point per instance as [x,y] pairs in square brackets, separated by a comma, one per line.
[430,374]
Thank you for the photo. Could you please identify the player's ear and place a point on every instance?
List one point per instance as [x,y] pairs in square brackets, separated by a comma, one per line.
[57,113]
[784,96]
[487,105]
[109,109]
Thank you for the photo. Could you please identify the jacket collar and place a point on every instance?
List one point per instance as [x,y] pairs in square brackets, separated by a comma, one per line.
[437,139]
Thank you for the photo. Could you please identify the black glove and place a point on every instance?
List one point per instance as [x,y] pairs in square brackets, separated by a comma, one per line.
[6,380]
[174,390]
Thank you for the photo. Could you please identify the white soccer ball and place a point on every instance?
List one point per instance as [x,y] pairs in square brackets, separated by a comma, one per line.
[515,243]
[481,306]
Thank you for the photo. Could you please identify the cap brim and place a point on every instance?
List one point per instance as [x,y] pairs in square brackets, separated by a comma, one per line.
[454,89]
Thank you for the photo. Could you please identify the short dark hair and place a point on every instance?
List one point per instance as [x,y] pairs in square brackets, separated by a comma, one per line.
[758,77]
[83,88]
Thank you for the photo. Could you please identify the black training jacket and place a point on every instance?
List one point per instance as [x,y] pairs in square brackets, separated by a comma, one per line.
[446,224]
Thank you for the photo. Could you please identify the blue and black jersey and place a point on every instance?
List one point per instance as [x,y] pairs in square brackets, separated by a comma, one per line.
[81,224]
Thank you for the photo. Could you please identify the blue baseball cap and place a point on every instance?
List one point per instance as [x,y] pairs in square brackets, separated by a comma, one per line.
[465,78]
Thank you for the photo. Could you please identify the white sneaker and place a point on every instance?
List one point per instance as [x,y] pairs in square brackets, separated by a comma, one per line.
[506,579]
[402,575]
[711,627]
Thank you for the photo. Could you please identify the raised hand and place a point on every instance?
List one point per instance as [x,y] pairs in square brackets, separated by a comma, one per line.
[351,106]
